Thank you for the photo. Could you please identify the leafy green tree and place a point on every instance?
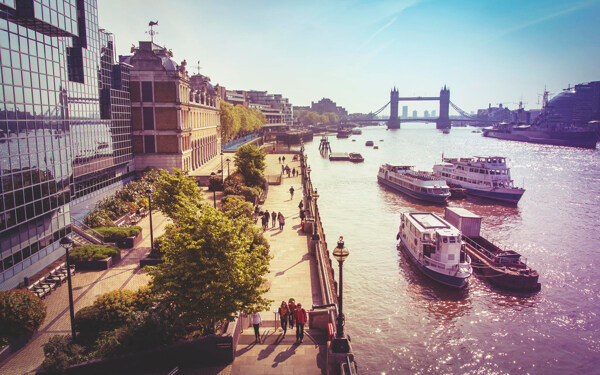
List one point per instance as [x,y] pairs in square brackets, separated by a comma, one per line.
[237,208]
[250,162]
[176,192]
[331,117]
[214,266]
[230,122]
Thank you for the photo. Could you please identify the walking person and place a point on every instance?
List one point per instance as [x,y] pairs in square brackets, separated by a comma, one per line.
[301,318]
[280,160]
[291,192]
[283,316]
[266,217]
[256,320]
[301,205]
[283,158]
[294,172]
[265,222]
[273,218]
[281,221]
[302,215]
[292,309]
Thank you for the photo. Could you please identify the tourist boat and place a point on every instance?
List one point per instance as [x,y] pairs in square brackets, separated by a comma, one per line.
[355,157]
[375,147]
[420,185]
[369,143]
[446,131]
[343,133]
[356,131]
[435,247]
[484,176]
[505,269]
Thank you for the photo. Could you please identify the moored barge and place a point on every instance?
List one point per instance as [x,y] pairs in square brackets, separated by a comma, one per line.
[505,269]
[420,185]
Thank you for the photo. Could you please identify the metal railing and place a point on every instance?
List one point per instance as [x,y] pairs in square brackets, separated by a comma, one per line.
[85,231]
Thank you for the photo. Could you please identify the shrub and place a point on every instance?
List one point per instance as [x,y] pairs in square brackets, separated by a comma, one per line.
[21,312]
[215,183]
[98,218]
[250,194]
[93,252]
[116,234]
[88,322]
[60,353]
[158,248]
[236,208]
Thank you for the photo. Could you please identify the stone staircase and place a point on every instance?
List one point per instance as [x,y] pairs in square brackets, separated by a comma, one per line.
[274,336]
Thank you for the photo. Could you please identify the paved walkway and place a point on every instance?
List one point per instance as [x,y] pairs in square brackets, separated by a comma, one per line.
[293,274]
[87,286]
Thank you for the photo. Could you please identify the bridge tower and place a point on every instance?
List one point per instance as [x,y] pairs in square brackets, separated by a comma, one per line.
[394,121]
[443,122]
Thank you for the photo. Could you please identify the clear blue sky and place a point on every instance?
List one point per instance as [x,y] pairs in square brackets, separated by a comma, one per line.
[354,52]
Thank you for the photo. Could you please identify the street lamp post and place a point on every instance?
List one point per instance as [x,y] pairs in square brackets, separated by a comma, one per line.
[67,243]
[214,192]
[222,173]
[340,342]
[228,161]
[149,194]
[315,234]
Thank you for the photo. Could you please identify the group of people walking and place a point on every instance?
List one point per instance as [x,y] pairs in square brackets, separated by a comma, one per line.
[290,314]
[274,217]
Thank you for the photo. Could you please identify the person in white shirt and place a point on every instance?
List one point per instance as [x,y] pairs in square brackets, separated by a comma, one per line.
[256,320]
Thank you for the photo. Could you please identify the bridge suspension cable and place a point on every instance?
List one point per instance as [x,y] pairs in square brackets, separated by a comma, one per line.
[373,114]
[463,113]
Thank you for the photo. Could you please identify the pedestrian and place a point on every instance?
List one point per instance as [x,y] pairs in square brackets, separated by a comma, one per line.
[294,172]
[280,160]
[273,218]
[283,158]
[301,318]
[301,205]
[292,309]
[291,192]
[288,170]
[302,215]
[256,320]
[266,217]
[282,168]
[283,316]
[281,220]
[265,222]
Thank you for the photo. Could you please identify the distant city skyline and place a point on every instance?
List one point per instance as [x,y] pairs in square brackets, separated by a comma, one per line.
[355,52]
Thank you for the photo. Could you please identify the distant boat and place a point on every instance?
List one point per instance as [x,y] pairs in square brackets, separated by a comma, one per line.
[369,143]
[376,147]
[355,157]
[356,131]
[419,185]
[343,133]
[446,131]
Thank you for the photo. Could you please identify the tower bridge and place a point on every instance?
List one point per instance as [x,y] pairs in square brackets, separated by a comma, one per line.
[441,122]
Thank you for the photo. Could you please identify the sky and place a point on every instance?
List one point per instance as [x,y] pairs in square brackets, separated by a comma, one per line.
[355,51]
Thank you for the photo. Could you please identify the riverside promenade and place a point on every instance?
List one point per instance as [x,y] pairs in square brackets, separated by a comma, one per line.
[293,274]
[87,286]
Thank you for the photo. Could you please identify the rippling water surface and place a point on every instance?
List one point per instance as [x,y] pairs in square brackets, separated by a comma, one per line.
[402,322]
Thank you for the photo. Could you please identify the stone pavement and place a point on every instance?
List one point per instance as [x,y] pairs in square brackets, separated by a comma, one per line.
[293,274]
[87,286]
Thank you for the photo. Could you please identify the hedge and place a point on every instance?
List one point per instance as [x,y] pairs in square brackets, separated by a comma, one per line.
[115,234]
[93,252]
[21,312]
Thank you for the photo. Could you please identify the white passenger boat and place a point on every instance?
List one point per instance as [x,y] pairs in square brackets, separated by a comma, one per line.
[420,185]
[435,247]
[484,176]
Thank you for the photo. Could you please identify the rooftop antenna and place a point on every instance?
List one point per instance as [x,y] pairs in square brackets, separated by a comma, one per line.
[152,32]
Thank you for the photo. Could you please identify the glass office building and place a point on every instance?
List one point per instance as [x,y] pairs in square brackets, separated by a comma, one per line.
[65,131]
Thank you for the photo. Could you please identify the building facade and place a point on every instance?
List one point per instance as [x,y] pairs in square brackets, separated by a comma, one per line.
[175,117]
[327,105]
[65,131]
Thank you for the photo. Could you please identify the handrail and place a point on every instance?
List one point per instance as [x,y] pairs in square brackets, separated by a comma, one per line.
[87,230]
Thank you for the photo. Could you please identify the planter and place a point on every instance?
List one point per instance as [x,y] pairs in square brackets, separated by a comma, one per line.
[97,265]
[150,262]
[130,242]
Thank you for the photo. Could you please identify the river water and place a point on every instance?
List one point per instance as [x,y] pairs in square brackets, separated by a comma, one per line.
[402,322]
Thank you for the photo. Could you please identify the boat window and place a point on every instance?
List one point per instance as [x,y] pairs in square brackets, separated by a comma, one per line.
[452,240]
[445,239]
[426,237]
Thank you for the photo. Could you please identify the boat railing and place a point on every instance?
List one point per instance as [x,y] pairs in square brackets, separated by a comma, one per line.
[434,263]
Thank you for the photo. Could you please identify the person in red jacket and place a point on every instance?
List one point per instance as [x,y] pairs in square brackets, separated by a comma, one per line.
[300,317]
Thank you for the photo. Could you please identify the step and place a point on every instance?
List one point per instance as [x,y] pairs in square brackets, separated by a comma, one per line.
[269,337]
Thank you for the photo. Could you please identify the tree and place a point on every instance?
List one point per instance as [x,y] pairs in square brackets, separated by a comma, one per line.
[250,162]
[214,266]
[21,312]
[230,122]
[175,193]
[332,117]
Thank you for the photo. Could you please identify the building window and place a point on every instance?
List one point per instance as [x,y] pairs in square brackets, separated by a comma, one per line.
[148,118]
[149,144]
[146,91]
